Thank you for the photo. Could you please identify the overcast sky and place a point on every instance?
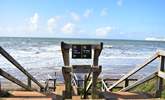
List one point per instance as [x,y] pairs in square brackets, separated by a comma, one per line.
[110,19]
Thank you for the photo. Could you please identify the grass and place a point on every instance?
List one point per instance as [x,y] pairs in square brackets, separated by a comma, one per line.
[149,87]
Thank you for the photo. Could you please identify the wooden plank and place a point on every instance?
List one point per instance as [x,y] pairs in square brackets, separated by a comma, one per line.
[161,74]
[134,70]
[14,62]
[81,68]
[14,80]
[139,82]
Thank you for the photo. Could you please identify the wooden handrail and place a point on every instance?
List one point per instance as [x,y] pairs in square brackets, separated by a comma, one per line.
[14,62]
[135,70]
[14,80]
[139,82]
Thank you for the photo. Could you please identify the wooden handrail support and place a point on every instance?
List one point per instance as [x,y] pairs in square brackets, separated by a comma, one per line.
[17,65]
[14,80]
[104,86]
[136,69]
[140,82]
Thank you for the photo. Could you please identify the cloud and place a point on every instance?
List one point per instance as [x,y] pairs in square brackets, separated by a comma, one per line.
[103,31]
[52,23]
[120,2]
[154,39]
[104,12]
[33,22]
[69,28]
[87,13]
[75,16]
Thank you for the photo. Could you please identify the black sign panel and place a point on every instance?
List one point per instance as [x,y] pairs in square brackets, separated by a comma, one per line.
[81,51]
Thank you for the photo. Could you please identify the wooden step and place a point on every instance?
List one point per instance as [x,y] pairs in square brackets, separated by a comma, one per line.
[124,95]
[26,95]
[25,98]
[76,98]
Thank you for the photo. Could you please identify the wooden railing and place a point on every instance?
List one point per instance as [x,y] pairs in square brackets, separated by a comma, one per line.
[159,74]
[17,65]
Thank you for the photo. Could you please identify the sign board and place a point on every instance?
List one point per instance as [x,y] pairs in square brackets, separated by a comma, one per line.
[81,51]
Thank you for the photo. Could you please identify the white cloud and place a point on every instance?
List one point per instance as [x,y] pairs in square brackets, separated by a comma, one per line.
[119,2]
[103,31]
[33,23]
[87,13]
[154,39]
[75,16]
[52,23]
[69,28]
[104,12]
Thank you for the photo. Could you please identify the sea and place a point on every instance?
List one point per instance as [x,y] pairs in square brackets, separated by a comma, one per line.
[42,57]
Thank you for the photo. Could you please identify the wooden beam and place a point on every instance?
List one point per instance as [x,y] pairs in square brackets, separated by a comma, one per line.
[14,80]
[81,68]
[139,82]
[134,70]
[14,62]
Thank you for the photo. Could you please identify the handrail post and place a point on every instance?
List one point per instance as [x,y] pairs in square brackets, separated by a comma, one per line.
[126,82]
[159,86]
[29,82]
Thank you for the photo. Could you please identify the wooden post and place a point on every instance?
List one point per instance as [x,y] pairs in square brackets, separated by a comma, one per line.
[29,82]
[97,51]
[85,86]
[67,77]
[14,80]
[14,62]
[126,82]
[96,72]
[65,53]
[159,86]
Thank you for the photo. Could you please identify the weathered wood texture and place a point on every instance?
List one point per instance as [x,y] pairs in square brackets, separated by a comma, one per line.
[134,70]
[65,53]
[14,80]
[139,82]
[67,77]
[14,62]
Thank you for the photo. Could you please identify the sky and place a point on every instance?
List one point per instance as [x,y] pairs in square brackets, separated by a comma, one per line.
[107,19]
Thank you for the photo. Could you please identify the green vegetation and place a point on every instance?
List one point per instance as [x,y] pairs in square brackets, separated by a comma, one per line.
[149,87]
